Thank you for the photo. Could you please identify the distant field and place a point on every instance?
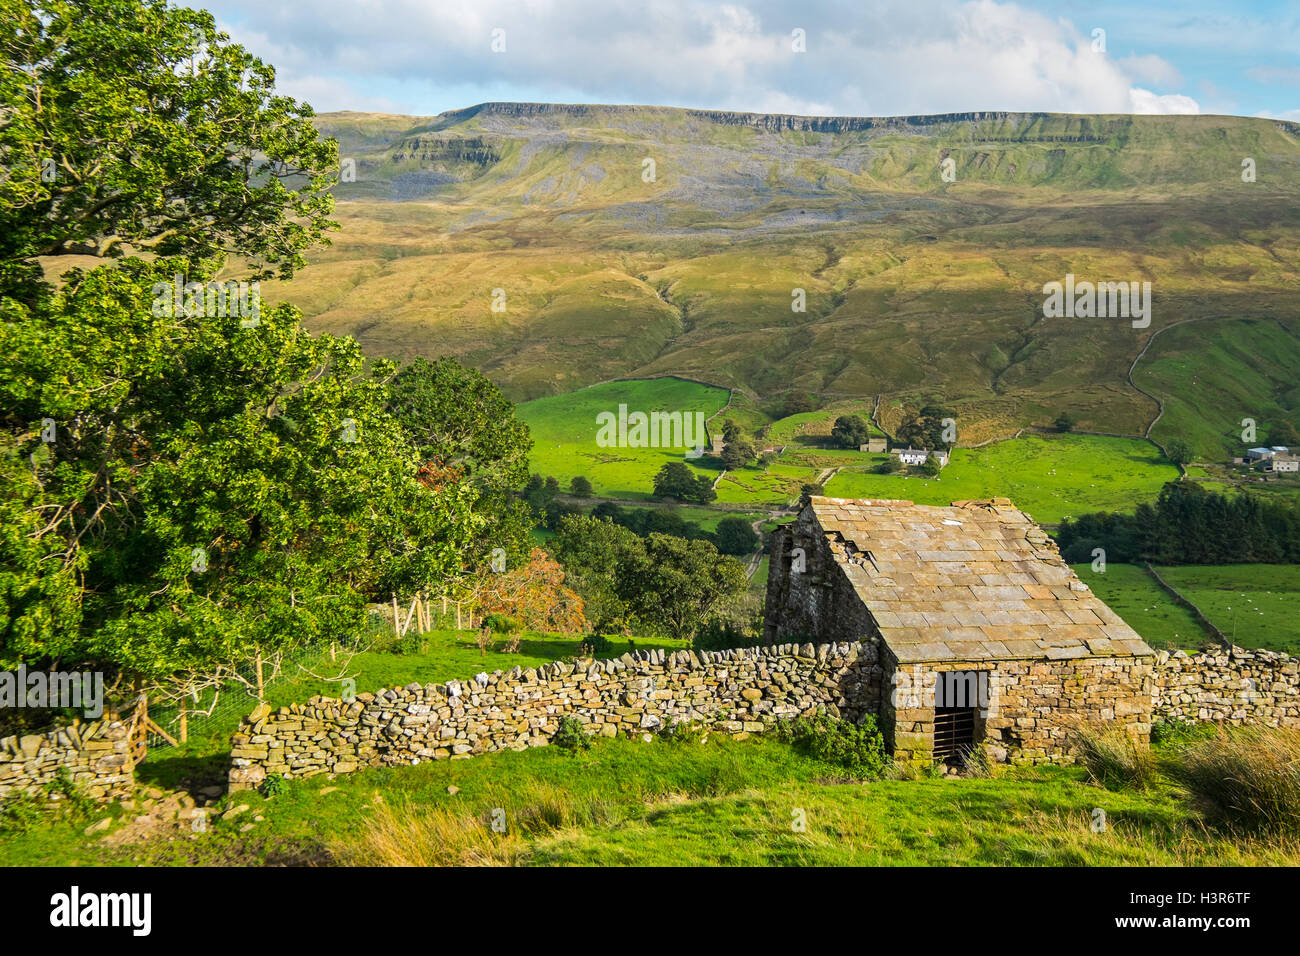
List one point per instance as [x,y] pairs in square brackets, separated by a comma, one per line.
[1047,478]
[564,432]
[1254,604]
[1134,595]
[1212,376]
[706,518]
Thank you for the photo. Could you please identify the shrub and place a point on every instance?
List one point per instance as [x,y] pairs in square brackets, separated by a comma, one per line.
[272,786]
[570,735]
[858,748]
[1114,758]
[722,635]
[501,624]
[1247,778]
[597,645]
[1179,733]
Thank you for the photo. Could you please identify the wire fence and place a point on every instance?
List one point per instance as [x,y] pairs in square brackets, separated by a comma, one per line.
[219,710]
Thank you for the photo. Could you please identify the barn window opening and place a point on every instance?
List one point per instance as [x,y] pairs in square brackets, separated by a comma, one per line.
[954,733]
[958,697]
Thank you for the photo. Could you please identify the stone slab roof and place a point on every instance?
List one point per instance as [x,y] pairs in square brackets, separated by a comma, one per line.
[974,581]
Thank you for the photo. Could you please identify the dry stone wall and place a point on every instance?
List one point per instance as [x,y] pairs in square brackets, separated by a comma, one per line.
[96,757]
[1233,685]
[1028,708]
[739,691]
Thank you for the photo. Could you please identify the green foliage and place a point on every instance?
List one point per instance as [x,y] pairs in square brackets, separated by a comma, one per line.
[676,480]
[596,645]
[501,624]
[1064,422]
[461,426]
[926,428]
[1114,758]
[162,134]
[1189,525]
[737,453]
[1178,451]
[215,491]
[272,786]
[570,736]
[850,431]
[663,582]
[674,586]
[591,551]
[890,465]
[1246,778]
[930,466]
[580,487]
[858,748]
[735,536]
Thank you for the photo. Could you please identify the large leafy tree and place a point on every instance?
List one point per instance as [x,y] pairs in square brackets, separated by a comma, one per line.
[592,551]
[130,125]
[456,417]
[675,585]
[215,491]
[184,490]
[850,431]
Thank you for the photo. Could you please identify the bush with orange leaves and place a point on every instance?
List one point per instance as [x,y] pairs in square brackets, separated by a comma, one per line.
[533,594]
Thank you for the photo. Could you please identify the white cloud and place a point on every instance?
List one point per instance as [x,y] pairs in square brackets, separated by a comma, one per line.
[1144,101]
[885,58]
[1151,69]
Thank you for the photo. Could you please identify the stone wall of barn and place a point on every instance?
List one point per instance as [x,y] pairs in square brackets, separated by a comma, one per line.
[1028,708]
[1233,685]
[818,604]
[736,691]
[95,757]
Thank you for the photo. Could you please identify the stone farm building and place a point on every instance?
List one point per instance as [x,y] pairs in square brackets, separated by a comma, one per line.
[982,634]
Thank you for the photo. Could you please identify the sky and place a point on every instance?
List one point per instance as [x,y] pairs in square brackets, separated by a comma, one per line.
[819,57]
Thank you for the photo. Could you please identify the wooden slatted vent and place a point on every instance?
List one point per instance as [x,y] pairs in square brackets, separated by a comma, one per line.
[954,732]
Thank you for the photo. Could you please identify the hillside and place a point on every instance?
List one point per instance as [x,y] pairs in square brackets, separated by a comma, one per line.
[915,287]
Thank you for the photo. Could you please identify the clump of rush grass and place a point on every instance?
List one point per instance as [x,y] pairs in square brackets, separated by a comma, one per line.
[1246,779]
[1115,758]
[407,835]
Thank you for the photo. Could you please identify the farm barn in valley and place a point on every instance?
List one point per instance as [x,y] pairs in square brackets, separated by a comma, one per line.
[983,634]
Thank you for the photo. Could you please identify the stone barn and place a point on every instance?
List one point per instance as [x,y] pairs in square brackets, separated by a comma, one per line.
[983,634]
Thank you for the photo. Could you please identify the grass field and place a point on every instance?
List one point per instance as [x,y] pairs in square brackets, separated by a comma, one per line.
[1254,604]
[631,802]
[1214,376]
[1049,478]
[564,430]
[1134,595]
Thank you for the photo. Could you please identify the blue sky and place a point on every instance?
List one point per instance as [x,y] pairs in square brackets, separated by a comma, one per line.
[857,58]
